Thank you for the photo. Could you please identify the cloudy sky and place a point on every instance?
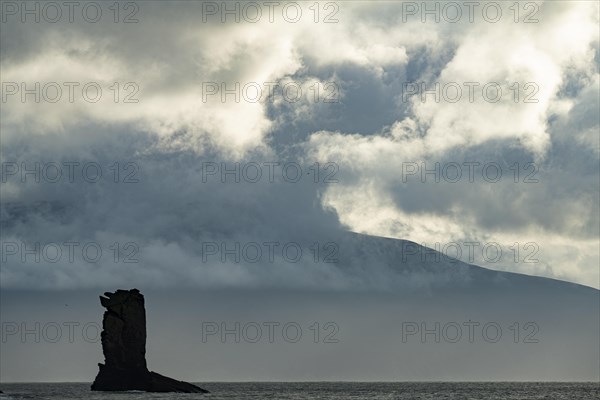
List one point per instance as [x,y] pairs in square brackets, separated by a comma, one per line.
[162,98]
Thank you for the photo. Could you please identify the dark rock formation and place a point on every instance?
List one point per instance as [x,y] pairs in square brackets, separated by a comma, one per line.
[124,347]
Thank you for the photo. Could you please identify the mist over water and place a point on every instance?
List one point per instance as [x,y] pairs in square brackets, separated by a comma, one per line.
[330,193]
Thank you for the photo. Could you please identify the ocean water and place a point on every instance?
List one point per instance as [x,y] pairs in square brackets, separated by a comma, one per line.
[322,391]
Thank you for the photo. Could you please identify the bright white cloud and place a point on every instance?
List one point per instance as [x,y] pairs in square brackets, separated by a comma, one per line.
[170,62]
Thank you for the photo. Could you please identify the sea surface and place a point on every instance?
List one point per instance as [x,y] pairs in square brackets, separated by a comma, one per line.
[321,391]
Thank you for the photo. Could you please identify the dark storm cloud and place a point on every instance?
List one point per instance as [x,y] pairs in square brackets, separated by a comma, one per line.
[171,133]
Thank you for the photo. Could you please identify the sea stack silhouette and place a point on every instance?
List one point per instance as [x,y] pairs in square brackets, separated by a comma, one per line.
[124,347]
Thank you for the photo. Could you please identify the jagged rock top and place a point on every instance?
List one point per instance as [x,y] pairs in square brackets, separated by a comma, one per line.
[124,346]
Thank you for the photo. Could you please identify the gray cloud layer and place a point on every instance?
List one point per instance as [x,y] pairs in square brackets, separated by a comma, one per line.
[369,134]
